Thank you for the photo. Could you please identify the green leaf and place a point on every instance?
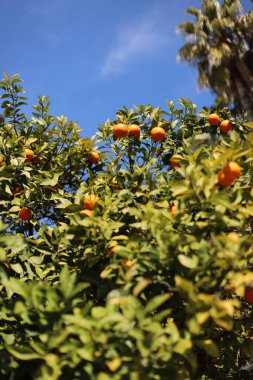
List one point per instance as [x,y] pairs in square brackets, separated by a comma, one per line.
[8,338]
[30,141]
[183,346]
[51,182]
[156,302]
[249,124]
[17,268]
[23,353]
[188,262]
[35,260]
[210,347]
[114,364]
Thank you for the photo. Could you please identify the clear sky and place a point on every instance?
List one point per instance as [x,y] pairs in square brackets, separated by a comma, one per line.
[94,56]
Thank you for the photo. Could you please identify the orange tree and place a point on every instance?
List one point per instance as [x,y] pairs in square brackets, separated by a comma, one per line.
[135,264]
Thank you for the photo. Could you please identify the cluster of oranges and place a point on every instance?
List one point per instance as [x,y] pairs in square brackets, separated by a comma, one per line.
[229,173]
[25,213]
[122,130]
[158,133]
[214,120]
[226,176]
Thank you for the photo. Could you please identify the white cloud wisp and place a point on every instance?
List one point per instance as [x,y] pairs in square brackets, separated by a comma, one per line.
[133,43]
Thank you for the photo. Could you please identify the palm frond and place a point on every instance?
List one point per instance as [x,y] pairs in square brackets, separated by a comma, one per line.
[231,8]
[187,27]
[194,11]
[188,52]
[211,9]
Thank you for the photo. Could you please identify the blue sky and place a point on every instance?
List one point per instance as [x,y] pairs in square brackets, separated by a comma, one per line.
[94,56]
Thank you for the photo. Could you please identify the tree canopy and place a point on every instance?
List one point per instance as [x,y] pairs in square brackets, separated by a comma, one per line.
[131,263]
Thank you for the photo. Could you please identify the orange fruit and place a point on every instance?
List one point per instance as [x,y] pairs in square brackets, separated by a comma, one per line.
[232,170]
[134,130]
[90,200]
[120,130]
[86,212]
[128,263]
[223,179]
[29,155]
[113,249]
[1,160]
[17,192]
[213,119]
[175,160]
[173,210]
[226,126]
[248,294]
[25,213]
[158,134]
[93,157]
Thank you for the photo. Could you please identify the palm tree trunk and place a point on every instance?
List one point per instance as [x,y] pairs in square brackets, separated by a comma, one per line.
[245,73]
[244,96]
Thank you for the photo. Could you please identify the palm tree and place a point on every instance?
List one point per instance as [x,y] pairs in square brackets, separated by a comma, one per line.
[220,44]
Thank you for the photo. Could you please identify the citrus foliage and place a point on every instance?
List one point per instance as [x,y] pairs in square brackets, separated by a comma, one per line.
[132,266]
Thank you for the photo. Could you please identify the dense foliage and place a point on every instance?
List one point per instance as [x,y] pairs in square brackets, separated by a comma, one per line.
[153,280]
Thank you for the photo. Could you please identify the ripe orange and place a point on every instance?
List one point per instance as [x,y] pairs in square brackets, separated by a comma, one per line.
[226,126]
[93,157]
[248,294]
[134,130]
[175,160]
[90,200]
[120,130]
[232,170]
[223,179]
[1,160]
[157,134]
[113,249]
[29,155]
[128,263]
[173,210]
[25,213]
[213,119]
[86,212]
